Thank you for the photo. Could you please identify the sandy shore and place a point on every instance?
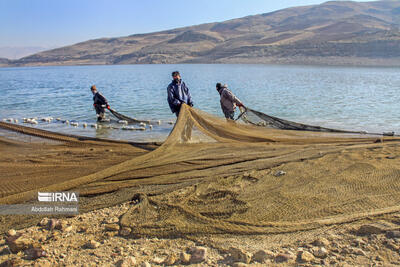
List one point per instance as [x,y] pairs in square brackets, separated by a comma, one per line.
[250,196]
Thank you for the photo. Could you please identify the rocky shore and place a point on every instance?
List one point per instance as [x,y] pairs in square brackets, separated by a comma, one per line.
[96,239]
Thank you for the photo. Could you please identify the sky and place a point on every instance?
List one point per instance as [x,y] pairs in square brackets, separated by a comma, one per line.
[55,23]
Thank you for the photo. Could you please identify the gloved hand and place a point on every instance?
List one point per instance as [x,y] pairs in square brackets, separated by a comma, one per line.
[108,106]
[94,105]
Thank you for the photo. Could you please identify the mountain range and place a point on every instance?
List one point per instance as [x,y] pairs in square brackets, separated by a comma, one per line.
[333,33]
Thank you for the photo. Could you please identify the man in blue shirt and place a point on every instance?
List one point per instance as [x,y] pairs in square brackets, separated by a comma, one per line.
[178,93]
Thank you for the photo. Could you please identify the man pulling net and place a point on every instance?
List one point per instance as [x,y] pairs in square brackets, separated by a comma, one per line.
[100,103]
[228,101]
[178,95]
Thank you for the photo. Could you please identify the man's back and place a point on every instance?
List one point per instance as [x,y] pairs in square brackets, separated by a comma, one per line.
[228,100]
[99,99]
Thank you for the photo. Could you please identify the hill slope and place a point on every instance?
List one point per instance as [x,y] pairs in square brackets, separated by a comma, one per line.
[352,33]
[4,61]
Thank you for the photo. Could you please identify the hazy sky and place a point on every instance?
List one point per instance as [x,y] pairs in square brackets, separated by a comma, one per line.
[52,23]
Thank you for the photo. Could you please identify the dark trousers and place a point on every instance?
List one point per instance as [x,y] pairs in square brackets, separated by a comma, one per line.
[100,112]
[229,114]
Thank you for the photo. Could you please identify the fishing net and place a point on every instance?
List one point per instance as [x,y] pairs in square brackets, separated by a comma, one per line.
[126,118]
[225,177]
[260,119]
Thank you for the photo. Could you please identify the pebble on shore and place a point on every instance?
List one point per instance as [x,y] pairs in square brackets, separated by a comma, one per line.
[92,244]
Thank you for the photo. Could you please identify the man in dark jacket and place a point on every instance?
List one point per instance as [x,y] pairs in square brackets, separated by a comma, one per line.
[178,93]
[99,103]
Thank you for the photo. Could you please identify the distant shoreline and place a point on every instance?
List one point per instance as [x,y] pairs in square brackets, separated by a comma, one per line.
[315,61]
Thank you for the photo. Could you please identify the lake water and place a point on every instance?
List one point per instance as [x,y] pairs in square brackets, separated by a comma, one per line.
[337,97]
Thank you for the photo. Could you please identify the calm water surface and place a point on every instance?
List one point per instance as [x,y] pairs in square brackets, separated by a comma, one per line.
[339,97]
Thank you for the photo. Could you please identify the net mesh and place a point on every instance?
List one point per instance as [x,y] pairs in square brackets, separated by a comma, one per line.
[226,177]
[261,119]
[126,118]
[258,118]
